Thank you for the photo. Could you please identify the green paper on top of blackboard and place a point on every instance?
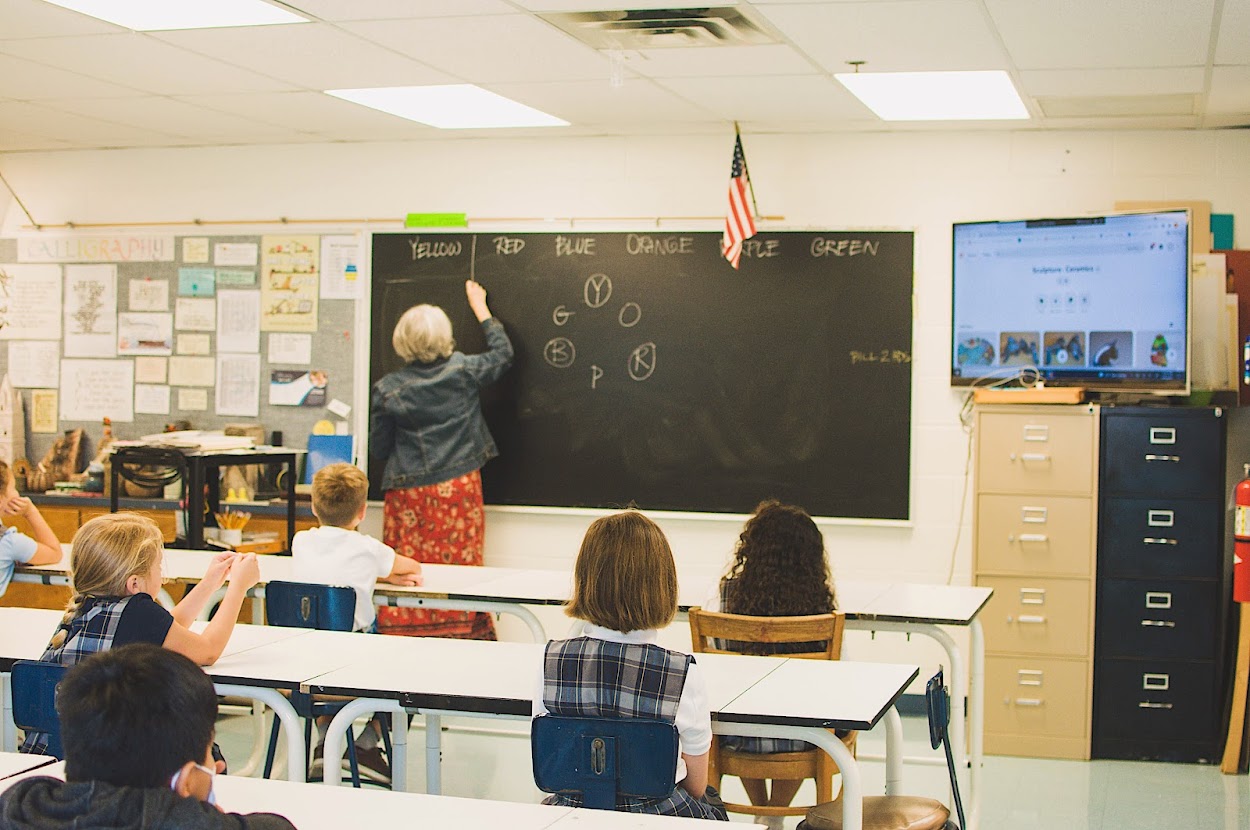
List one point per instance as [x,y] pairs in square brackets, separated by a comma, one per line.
[436,220]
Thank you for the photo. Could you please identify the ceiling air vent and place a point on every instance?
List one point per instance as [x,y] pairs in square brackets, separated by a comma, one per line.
[661,28]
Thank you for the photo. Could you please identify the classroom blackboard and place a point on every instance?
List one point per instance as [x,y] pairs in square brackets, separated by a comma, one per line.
[649,371]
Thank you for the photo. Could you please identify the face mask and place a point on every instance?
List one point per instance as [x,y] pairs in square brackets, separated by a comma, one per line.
[212,775]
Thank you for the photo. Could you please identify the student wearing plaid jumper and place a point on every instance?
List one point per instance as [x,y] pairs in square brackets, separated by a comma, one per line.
[115,565]
[625,588]
[779,570]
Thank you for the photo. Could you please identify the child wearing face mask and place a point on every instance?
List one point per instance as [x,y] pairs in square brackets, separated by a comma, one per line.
[131,767]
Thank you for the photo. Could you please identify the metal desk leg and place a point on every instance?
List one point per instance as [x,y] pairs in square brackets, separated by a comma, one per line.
[893,752]
[433,754]
[976,721]
[9,743]
[297,763]
[336,738]
[516,609]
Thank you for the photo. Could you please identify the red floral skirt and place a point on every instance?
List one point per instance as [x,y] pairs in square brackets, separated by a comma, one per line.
[441,523]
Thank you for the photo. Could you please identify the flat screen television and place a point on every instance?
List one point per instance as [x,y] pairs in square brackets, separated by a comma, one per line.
[1094,301]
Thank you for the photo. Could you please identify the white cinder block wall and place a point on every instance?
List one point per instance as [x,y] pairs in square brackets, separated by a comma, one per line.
[914,180]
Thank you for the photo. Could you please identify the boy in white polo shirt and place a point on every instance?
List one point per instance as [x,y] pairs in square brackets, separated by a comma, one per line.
[337,554]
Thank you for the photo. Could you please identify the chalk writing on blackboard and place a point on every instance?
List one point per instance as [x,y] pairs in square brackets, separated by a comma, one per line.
[560,352]
[880,356]
[630,314]
[561,315]
[823,246]
[761,248]
[636,243]
[566,246]
[505,245]
[642,361]
[431,250]
[597,290]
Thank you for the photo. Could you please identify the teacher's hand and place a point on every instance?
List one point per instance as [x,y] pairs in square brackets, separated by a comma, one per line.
[477,299]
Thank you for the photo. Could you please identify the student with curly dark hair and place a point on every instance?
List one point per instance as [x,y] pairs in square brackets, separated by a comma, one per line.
[779,570]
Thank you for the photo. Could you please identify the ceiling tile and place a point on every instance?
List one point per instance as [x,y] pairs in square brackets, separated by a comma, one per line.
[12,141]
[635,102]
[313,56]
[76,129]
[495,49]
[26,80]
[891,37]
[1230,91]
[1233,44]
[172,117]
[143,62]
[1093,82]
[398,9]
[1076,34]
[719,61]
[312,112]
[810,98]
[35,18]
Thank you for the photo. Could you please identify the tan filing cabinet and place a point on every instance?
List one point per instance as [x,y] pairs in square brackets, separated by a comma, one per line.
[1035,518]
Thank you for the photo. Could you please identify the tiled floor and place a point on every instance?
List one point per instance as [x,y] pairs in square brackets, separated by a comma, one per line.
[490,759]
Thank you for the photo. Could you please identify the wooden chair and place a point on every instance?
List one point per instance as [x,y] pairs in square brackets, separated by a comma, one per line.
[709,631]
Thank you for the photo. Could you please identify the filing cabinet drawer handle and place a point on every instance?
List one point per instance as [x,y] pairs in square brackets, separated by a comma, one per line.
[1157,682]
[1036,432]
[1029,677]
[1028,701]
[1158,540]
[1033,537]
[1160,518]
[1032,596]
[1163,435]
[1034,456]
[1173,458]
[1033,515]
[1032,619]
[1158,599]
[1146,704]
[1158,623]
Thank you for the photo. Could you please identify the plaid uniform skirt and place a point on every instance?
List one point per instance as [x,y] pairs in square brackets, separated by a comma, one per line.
[443,524]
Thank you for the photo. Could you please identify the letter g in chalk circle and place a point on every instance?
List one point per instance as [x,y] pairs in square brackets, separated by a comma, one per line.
[561,315]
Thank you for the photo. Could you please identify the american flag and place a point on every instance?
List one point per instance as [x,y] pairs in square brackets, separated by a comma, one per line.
[739,221]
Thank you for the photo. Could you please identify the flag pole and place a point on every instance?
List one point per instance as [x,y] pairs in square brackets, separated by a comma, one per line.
[738,138]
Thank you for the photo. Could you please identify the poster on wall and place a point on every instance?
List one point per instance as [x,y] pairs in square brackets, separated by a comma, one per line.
[291,387]
[238,384]
[340,259]
[150,333]
[34,363]
[30,302]
[90,311]
[238,321]
[95,389]
[43,411]
[289,283]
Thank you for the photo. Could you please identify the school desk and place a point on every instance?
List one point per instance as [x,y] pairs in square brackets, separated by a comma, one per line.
[909,608]
[312,807]
[15,763]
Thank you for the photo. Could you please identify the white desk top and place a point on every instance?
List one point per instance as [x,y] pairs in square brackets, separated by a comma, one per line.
[24,632]
[12,763]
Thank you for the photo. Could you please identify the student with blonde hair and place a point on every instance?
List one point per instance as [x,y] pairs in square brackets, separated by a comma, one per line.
[16,548]
[625,588]
[115,565]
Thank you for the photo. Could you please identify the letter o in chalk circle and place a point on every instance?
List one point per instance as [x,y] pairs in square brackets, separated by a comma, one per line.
[560,352]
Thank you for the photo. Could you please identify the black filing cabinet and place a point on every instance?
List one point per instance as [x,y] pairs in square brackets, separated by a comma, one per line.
[1162,595]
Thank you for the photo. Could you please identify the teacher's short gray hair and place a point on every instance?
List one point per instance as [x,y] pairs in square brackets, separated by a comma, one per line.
[423,334]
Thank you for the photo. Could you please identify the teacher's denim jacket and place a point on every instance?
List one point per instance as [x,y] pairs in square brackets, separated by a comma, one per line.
[426,418]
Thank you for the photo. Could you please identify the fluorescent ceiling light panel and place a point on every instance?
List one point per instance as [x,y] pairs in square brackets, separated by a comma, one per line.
[164,15]
[937,96]
[450,107]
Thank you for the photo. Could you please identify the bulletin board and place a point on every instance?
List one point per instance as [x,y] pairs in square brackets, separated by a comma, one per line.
[149,329]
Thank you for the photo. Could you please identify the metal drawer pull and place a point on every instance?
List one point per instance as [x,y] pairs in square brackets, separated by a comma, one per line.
[1157,682]
[1033,537]
[1158,540]
[1033,515]
[1172,458]
[1160,518]
[1158,599]
[1036,432]
[1029,677]
[1028,701]
[1145,704]
[1032,596]
[1031,618]
[1159,623]
[1163,435]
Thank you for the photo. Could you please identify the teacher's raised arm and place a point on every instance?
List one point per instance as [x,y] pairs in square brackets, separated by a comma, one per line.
[426,425]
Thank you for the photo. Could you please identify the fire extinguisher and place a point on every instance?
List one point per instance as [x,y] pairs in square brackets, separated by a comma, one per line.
[1241,533]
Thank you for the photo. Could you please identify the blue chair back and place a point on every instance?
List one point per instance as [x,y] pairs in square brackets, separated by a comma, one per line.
[603,758]
[34,701]
[306,605]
